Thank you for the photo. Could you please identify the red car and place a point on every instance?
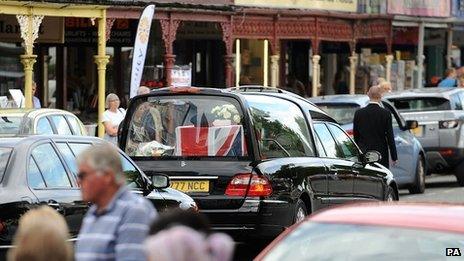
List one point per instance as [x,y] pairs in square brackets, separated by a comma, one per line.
[374,232]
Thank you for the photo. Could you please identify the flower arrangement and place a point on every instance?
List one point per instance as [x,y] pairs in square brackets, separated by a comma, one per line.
[227,112]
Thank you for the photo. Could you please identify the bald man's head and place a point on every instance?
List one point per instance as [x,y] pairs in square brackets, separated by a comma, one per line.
[375,93]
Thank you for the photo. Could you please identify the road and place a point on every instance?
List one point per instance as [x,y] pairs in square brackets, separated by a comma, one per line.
[439,188]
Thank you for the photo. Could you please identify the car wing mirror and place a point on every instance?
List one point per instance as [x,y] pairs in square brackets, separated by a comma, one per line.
[371,157]
[160,181]
[410,125]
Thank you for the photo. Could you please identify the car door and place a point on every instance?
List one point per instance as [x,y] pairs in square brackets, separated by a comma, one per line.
[52,184]
[339,170]
[367,181]
[404,170]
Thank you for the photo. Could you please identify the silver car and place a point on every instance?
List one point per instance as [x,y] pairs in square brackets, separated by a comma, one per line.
[440,114]
[410,170]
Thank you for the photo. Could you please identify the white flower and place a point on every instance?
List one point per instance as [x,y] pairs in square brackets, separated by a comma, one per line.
[236,118]
[227,115]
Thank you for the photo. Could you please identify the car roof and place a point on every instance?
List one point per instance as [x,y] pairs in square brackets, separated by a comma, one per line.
[30,112]
[316,113]
[29,139]
[441,217]
[359,99]
[425,92]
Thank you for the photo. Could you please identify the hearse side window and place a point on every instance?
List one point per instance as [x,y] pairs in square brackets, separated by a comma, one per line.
[345,144]
[327,140]
[34,177]
[319,146]
[69,157]
[61,125]
[50,166]
[281,127]
[4,158]
[44,127]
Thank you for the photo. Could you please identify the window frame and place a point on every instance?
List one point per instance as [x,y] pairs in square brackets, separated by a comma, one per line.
[77,132]
[73,184]
[322,144]
[50,117]
[339,146]
[310,138]
[49,122]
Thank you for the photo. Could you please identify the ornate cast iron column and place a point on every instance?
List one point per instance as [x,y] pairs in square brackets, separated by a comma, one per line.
[29,25]
[101,59]
[229,56]
[388,68]
[316,74]
[169,31]
[353,65]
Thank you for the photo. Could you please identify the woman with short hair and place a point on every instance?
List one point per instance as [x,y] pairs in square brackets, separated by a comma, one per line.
[41,236]
[112,117]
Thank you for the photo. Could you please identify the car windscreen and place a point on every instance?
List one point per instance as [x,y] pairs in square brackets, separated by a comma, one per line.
[10,125]
[186,126]
[421,104]
[4,158]
[327,241]
[343,113]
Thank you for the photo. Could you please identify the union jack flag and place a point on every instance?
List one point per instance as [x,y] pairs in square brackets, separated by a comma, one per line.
[210,141]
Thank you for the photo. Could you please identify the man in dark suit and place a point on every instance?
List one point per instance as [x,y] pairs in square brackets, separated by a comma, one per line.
[373,130]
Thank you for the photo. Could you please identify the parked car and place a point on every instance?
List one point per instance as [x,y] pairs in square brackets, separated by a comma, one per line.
[440,114]
[38,170]
[255,159]
[411,168]
[373,232]
[39,121]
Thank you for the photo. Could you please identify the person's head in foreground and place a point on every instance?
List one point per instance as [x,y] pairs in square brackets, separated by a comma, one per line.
[184,236]
[41,236]
[143,90]
[375,93]
[100,173]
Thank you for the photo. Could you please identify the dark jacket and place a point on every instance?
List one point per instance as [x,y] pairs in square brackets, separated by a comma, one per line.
[373,130]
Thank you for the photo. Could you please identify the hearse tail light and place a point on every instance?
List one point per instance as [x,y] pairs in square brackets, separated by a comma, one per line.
[250,185]
[184,89]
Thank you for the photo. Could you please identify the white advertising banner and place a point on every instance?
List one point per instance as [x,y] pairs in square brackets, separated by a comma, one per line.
[140,48]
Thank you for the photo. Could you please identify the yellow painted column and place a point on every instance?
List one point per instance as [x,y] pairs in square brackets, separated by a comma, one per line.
[238,62]
[266,63]
[101,59]
[28,62]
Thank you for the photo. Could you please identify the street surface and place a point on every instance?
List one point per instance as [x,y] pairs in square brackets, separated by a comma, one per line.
[440,188]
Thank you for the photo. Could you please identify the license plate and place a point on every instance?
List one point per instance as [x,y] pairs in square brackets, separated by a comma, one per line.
[419,131]
[191,185]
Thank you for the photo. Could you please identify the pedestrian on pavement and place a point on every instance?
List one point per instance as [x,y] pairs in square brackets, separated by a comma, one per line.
[450,80]
[386,87]
[115,227]
[112,117]
[41,236]
[373,130]
[35,100]
[185,236]
[143,90]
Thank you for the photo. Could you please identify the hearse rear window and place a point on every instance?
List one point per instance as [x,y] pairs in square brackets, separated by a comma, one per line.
[186,126]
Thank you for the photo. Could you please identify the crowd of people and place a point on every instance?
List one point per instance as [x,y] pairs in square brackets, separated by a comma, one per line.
[453,78]
[120,225]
